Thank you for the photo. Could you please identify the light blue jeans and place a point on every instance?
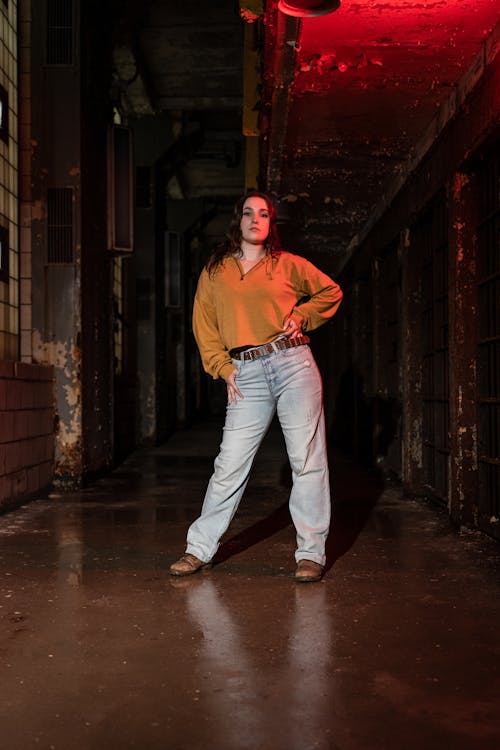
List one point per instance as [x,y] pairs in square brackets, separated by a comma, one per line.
[287,382]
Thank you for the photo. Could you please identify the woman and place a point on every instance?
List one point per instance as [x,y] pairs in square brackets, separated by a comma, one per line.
[252,306]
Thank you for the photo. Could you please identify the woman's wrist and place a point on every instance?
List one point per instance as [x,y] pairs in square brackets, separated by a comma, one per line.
[226,370]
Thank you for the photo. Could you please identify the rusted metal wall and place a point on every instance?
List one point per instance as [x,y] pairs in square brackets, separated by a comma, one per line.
[71,306]
[56,163]
[486,180]
[447,392]
[463,351]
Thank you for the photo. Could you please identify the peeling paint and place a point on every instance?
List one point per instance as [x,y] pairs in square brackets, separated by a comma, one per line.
[251,10]
[328,62]
[72,397]
[66,358]
[49,352]
[248,16]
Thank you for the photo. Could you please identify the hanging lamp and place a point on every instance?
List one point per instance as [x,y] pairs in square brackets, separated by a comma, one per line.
[308,8]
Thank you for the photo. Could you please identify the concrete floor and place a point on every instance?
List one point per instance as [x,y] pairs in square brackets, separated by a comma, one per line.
[397,648]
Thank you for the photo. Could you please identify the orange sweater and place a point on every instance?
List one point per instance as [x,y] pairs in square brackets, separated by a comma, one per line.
[233,309]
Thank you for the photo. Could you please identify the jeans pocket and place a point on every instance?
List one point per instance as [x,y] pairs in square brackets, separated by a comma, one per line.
[296,351]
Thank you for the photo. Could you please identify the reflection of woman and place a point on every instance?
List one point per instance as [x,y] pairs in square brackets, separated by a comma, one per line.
[248,319]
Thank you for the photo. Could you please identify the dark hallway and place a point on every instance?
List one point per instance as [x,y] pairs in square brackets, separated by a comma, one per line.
[128,129]
[100,648]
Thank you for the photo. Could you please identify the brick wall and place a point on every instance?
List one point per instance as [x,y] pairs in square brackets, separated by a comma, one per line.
[26,430]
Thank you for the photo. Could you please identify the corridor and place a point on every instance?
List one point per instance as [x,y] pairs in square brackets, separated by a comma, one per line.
[396,648]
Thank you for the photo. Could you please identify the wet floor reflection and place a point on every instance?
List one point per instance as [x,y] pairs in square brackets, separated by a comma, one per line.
[311,676]
[229,682]
[69,535]
[101,648]
[268,685]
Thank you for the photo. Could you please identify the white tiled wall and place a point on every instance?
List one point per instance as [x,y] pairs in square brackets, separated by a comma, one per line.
[9,193]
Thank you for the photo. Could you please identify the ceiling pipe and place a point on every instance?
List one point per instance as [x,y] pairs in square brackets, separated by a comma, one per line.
[308,8]
[281,80]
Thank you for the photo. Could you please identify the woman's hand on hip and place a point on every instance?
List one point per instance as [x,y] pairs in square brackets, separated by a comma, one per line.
[291,328]
[232,389]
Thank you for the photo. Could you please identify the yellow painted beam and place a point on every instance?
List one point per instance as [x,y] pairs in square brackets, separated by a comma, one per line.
[251,12]
[251,81]
[252,161]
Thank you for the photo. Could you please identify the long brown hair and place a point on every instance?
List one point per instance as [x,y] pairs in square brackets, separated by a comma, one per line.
[232,243]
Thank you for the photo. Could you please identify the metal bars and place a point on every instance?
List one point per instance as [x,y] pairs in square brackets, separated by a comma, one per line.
[60,225]
[488,233]
[59,32]
[433,245]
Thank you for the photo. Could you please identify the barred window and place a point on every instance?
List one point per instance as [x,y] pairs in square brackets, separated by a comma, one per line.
[60,225]
[488,233]
[59,32]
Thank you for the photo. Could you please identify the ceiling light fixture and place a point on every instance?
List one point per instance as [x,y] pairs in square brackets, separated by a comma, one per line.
[308,8]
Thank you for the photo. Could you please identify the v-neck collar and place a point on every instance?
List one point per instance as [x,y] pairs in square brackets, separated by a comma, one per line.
[244,273]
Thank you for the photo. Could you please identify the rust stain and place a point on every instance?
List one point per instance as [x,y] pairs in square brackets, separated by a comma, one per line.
[248,15]
[328,62]
[66,359]
[251,10]
[49,353]
[460,181]
[69,461]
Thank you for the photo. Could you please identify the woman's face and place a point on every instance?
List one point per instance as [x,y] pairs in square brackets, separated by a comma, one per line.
[255,221]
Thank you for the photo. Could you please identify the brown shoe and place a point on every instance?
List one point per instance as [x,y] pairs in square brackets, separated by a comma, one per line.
[308,571]
[186,565]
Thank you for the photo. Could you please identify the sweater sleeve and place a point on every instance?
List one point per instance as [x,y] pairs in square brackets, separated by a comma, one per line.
[214,355]
[324,296]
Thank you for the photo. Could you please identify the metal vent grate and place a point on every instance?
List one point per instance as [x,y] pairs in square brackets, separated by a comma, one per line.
[60,225]
[59,32]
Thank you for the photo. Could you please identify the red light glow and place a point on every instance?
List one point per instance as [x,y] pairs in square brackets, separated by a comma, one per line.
[410,24]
